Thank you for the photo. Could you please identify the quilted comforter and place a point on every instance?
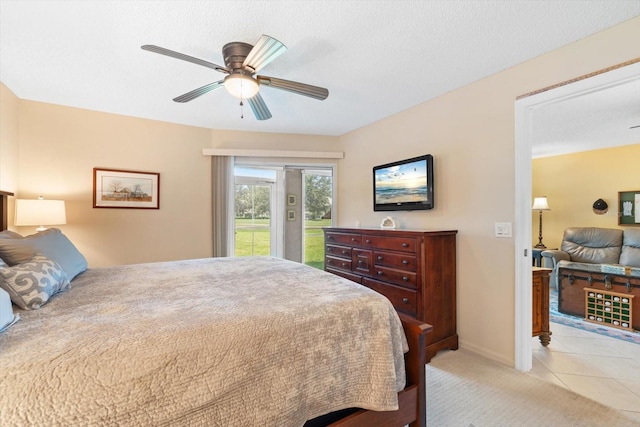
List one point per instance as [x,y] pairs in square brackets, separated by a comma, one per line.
[214,342]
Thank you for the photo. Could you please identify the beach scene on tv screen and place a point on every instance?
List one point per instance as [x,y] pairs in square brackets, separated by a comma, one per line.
[402,184]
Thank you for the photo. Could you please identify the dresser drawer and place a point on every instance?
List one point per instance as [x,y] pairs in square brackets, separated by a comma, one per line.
[362,259]
[404,244]
[338,251]
[399,277]
[338,263]
[402,261]
[402,299]
[343,238]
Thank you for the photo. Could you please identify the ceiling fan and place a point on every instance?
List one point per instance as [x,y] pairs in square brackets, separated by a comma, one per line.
[242,61]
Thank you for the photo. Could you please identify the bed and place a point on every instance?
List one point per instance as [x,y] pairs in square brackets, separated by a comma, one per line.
[215,342]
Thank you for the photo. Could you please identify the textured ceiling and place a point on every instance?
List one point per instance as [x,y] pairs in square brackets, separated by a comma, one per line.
[376,58]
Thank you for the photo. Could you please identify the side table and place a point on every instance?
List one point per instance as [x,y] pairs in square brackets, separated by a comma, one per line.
[540,309]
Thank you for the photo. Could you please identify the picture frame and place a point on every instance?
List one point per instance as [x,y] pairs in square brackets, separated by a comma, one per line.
[291,215]
[125,189]
[629,207]
[291,199]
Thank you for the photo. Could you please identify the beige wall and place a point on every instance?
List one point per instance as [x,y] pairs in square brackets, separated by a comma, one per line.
[9,140]
[9,112]
[470,132]
[59,147]
[572,182]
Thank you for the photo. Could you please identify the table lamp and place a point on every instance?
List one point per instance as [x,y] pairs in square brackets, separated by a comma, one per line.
[540,204]
[40,212]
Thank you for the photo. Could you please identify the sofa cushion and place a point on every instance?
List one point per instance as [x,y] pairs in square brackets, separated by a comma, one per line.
[593,244]
[630,254]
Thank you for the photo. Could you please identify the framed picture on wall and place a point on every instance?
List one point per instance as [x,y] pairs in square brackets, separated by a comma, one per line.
[114,188]
[291,215]
[291,199]
[629,207]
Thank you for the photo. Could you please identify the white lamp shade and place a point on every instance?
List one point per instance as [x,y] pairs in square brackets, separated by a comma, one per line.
[40,212]
[240,85]
[540,204]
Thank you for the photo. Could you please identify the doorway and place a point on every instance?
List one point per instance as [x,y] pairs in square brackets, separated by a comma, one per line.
[524,140]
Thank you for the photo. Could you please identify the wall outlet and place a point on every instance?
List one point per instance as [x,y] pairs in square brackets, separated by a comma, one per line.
[503,229]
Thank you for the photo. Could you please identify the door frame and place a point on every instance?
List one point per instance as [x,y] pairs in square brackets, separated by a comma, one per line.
[524,124]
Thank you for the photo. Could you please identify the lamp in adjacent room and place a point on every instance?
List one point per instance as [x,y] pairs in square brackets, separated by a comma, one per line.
[40,212]
[540,204]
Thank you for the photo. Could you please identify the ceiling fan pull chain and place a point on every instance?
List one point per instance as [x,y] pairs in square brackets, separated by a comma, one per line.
[241,109]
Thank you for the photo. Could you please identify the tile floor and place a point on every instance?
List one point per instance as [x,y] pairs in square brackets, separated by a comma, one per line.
[598,367]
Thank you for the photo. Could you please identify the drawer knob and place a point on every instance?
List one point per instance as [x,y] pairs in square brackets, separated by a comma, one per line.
[344,252]
[380,257]
[344,264]
[404,245]
[367,241]
[380,273]
[405,300]
[353,239]
[405,262]
[405,278]
[360,261]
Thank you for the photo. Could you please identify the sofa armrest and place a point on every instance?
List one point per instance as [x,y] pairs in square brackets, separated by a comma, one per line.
[554,256]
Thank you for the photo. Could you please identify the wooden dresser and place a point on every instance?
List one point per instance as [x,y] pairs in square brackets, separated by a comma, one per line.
[416,270]
[540,309]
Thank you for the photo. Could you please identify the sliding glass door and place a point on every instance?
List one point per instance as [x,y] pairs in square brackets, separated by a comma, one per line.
[318,200]
[280,210]
[255,213]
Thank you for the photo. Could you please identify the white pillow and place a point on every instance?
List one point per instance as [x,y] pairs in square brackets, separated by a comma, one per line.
[6,311]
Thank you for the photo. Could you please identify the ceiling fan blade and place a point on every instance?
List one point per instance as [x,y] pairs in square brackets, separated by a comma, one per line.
[263,52]
[633,127]
[295,87]
[259,108]
[197,92]
[182,56]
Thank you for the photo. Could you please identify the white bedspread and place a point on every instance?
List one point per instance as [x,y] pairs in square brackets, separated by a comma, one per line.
[212,342]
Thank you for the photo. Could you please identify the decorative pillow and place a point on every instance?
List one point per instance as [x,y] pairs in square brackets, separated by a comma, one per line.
[32,283]
[8,234]
[50,243]
[7,318]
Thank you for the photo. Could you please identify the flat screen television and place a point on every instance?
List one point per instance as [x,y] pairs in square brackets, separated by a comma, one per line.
[405,185]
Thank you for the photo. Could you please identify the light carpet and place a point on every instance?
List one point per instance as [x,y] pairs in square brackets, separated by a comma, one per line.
[468,390]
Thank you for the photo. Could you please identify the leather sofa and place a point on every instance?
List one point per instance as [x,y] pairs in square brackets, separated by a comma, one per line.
[595,249]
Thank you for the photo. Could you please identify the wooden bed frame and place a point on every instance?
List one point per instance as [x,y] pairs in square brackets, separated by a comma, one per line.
[412,400]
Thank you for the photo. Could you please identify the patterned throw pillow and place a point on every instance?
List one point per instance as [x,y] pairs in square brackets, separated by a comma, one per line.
[32,283]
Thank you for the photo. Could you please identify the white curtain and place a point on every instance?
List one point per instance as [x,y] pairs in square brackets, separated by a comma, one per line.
[222,210]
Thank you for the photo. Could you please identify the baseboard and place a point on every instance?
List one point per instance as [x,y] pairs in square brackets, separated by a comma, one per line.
[481,351]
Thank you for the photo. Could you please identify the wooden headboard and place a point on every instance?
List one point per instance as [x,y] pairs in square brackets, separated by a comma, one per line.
[4,201]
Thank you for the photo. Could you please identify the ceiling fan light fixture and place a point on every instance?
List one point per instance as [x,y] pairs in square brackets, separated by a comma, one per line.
[241,85]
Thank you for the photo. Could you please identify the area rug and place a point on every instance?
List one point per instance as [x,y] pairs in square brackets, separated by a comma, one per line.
[580,323]
[465,390]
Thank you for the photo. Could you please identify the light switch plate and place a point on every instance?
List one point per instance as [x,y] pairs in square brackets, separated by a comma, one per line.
[503,229]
